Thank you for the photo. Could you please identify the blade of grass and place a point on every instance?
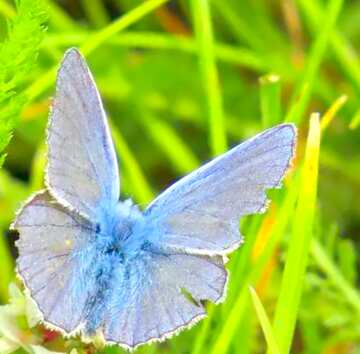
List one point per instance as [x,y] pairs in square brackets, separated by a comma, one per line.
[330,114]
[205,38]
[264,322]
[198,347]
[123,22]
[355,121]
[328,266]
[270,100]
[94,41]
[246,31]
[244,342]
[223,340]
[343,51]
[316,54]
[141,39]
[179,154]
[96,13]
[299,245]
[241,30]
[240,265]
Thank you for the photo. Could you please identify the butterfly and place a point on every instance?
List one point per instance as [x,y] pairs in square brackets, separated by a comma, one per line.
[94,264]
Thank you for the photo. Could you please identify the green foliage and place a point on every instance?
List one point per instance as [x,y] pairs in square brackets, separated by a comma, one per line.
[180,82]
[299,247]
[18,53]
[265,323]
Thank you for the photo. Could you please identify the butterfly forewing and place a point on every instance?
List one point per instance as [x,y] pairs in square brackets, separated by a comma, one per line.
[82,167]
[200,213]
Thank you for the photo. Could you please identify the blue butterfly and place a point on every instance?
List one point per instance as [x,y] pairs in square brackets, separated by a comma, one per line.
[94,264]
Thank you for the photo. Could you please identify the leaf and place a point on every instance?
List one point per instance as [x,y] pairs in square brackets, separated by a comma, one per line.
[265,322]
[18,54]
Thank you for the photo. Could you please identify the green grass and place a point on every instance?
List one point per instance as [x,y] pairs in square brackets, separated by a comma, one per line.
[265,323]
[313,61]
[182,81]
[270,100]
[290,292]
[206,49]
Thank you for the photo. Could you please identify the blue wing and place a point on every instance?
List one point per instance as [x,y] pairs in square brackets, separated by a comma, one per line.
[82,167]
[150,302]
[200,213]
[55,259]
[59,254]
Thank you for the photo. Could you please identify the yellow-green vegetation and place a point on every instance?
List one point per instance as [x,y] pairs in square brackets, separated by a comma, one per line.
[181,82]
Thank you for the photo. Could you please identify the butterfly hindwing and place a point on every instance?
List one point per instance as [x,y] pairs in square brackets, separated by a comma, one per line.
[82,168]
[155,302]
[55,259]
[200,213]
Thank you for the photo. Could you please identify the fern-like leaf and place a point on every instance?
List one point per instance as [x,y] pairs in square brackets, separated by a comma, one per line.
[18,55]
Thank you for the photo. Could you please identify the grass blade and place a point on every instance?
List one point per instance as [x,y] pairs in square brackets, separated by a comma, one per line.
[342,49]
[264,322]
[204,35]
[123,22]
[179,154]
[330,114]
[322,259]
[355,121]
[314,59]
[270,100]
[142,39]
[94,41]
[96,13]
[299,246]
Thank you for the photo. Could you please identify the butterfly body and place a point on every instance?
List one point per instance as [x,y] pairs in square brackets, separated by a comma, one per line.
[122,245]
[94,264]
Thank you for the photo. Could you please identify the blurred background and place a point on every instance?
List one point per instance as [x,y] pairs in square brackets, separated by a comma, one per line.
[181,82]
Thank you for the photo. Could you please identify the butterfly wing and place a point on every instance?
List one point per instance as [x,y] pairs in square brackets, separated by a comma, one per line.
[200,213]
[55,259]
[155,306]
[82,167]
